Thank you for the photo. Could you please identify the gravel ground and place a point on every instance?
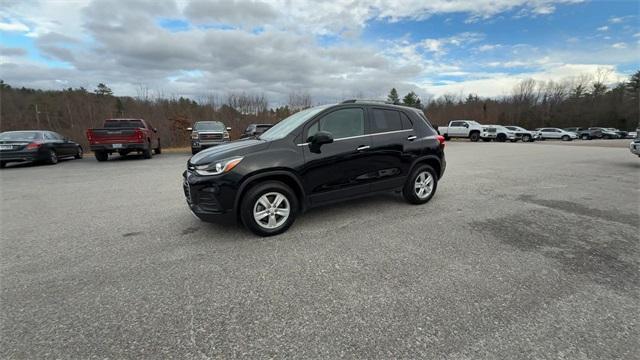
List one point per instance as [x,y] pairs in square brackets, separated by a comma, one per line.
[526,251]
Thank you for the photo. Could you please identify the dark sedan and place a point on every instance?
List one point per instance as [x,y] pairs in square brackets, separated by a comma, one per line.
[255,130]
[36,146]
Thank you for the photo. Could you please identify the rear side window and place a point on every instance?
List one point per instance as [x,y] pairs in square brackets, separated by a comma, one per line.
[385,120]
[341,123]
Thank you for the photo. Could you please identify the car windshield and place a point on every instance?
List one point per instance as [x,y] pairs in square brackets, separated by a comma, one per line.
[21,135]
[286,126]
[123,124]
[209,125]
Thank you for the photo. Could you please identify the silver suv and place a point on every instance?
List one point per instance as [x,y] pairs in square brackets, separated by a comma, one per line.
[205,134]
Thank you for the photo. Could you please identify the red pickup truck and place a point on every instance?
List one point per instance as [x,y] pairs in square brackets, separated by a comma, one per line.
[124,136]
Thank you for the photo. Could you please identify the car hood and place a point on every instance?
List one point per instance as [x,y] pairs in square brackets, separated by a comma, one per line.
[231,149]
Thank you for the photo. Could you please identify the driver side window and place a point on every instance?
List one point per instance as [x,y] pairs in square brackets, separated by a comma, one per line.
[341,124]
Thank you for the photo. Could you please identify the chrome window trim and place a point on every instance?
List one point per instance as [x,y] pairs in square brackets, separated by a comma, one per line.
[359,136]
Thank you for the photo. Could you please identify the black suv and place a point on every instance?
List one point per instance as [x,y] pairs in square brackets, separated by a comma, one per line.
[314,157]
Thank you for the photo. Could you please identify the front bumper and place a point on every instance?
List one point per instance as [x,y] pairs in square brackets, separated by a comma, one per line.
[210,198]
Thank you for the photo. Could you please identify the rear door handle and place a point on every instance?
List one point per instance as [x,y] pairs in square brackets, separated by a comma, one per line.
[412,137]
[362,147]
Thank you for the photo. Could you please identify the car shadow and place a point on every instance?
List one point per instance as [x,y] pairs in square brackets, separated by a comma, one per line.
[28,164]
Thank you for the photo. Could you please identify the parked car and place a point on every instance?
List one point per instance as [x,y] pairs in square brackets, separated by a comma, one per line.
[36,146]
[606,133]
[621,134]
[556,133]
[586,133]
[124,136]
[461,129]
[317,156]
[497,133]
[635,146]
[523,134]
[206,134]
[255,130]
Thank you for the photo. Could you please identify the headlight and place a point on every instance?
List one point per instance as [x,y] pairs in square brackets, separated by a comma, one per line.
[195,136]
[218,167]
[226,135]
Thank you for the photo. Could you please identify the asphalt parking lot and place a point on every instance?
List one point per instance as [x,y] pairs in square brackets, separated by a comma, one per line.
[526,251]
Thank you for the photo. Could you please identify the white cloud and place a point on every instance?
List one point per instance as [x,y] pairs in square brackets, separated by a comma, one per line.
[603,28]
[13,26]
[619,45]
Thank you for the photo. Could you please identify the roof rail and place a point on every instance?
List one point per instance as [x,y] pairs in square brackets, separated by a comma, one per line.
[353,101]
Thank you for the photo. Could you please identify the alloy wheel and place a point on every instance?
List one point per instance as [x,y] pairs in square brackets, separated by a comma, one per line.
[423,185]
[271,210]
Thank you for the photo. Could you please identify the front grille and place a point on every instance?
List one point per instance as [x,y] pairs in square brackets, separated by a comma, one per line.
[210,136]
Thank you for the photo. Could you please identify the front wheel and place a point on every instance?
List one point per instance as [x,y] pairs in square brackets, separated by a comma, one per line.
[269,208]
[501,138]
[421,185]
[586,137]
[566,138]
[526,138]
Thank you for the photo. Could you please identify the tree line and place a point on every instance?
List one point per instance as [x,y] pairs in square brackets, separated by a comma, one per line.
[582,101]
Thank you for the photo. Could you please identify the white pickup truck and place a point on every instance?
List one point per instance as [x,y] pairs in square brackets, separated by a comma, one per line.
[461,129]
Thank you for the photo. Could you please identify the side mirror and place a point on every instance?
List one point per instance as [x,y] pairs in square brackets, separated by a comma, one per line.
[319,139]
[466,125]
[155,130]
[66,139]
[189,129]
[228,128]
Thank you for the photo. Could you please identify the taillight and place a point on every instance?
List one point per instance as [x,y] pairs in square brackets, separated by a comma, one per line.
[89,135]
[34,145]
[140,135]
[440,140]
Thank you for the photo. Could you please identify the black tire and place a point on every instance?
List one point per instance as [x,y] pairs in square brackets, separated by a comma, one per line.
[526,138]
[79,153]
[409,191]
[585,137]
[52,157]
[249,202]
[447,137]
[501,138]
[101,155]
[193,151]
[3,164]
[474,136]
[158,150]
[565,138]
[147,153]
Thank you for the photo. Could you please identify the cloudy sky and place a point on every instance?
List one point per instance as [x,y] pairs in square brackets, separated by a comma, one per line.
[330,49]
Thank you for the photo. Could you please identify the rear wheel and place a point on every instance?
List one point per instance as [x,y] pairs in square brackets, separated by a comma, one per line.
[101,155]
[79,153]
[269,208]
[501,138]
[52,157]
[147,153]
[474,136]
[421,185]
[447,137]
[585,137]
[158,150]
[3,164]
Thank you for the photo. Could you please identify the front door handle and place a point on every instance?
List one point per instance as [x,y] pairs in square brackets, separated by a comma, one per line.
[412,137]
[362,147]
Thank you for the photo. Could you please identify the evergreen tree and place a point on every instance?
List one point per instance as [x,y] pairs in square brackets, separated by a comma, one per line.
[393,96]
[411,99]
[103,89]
